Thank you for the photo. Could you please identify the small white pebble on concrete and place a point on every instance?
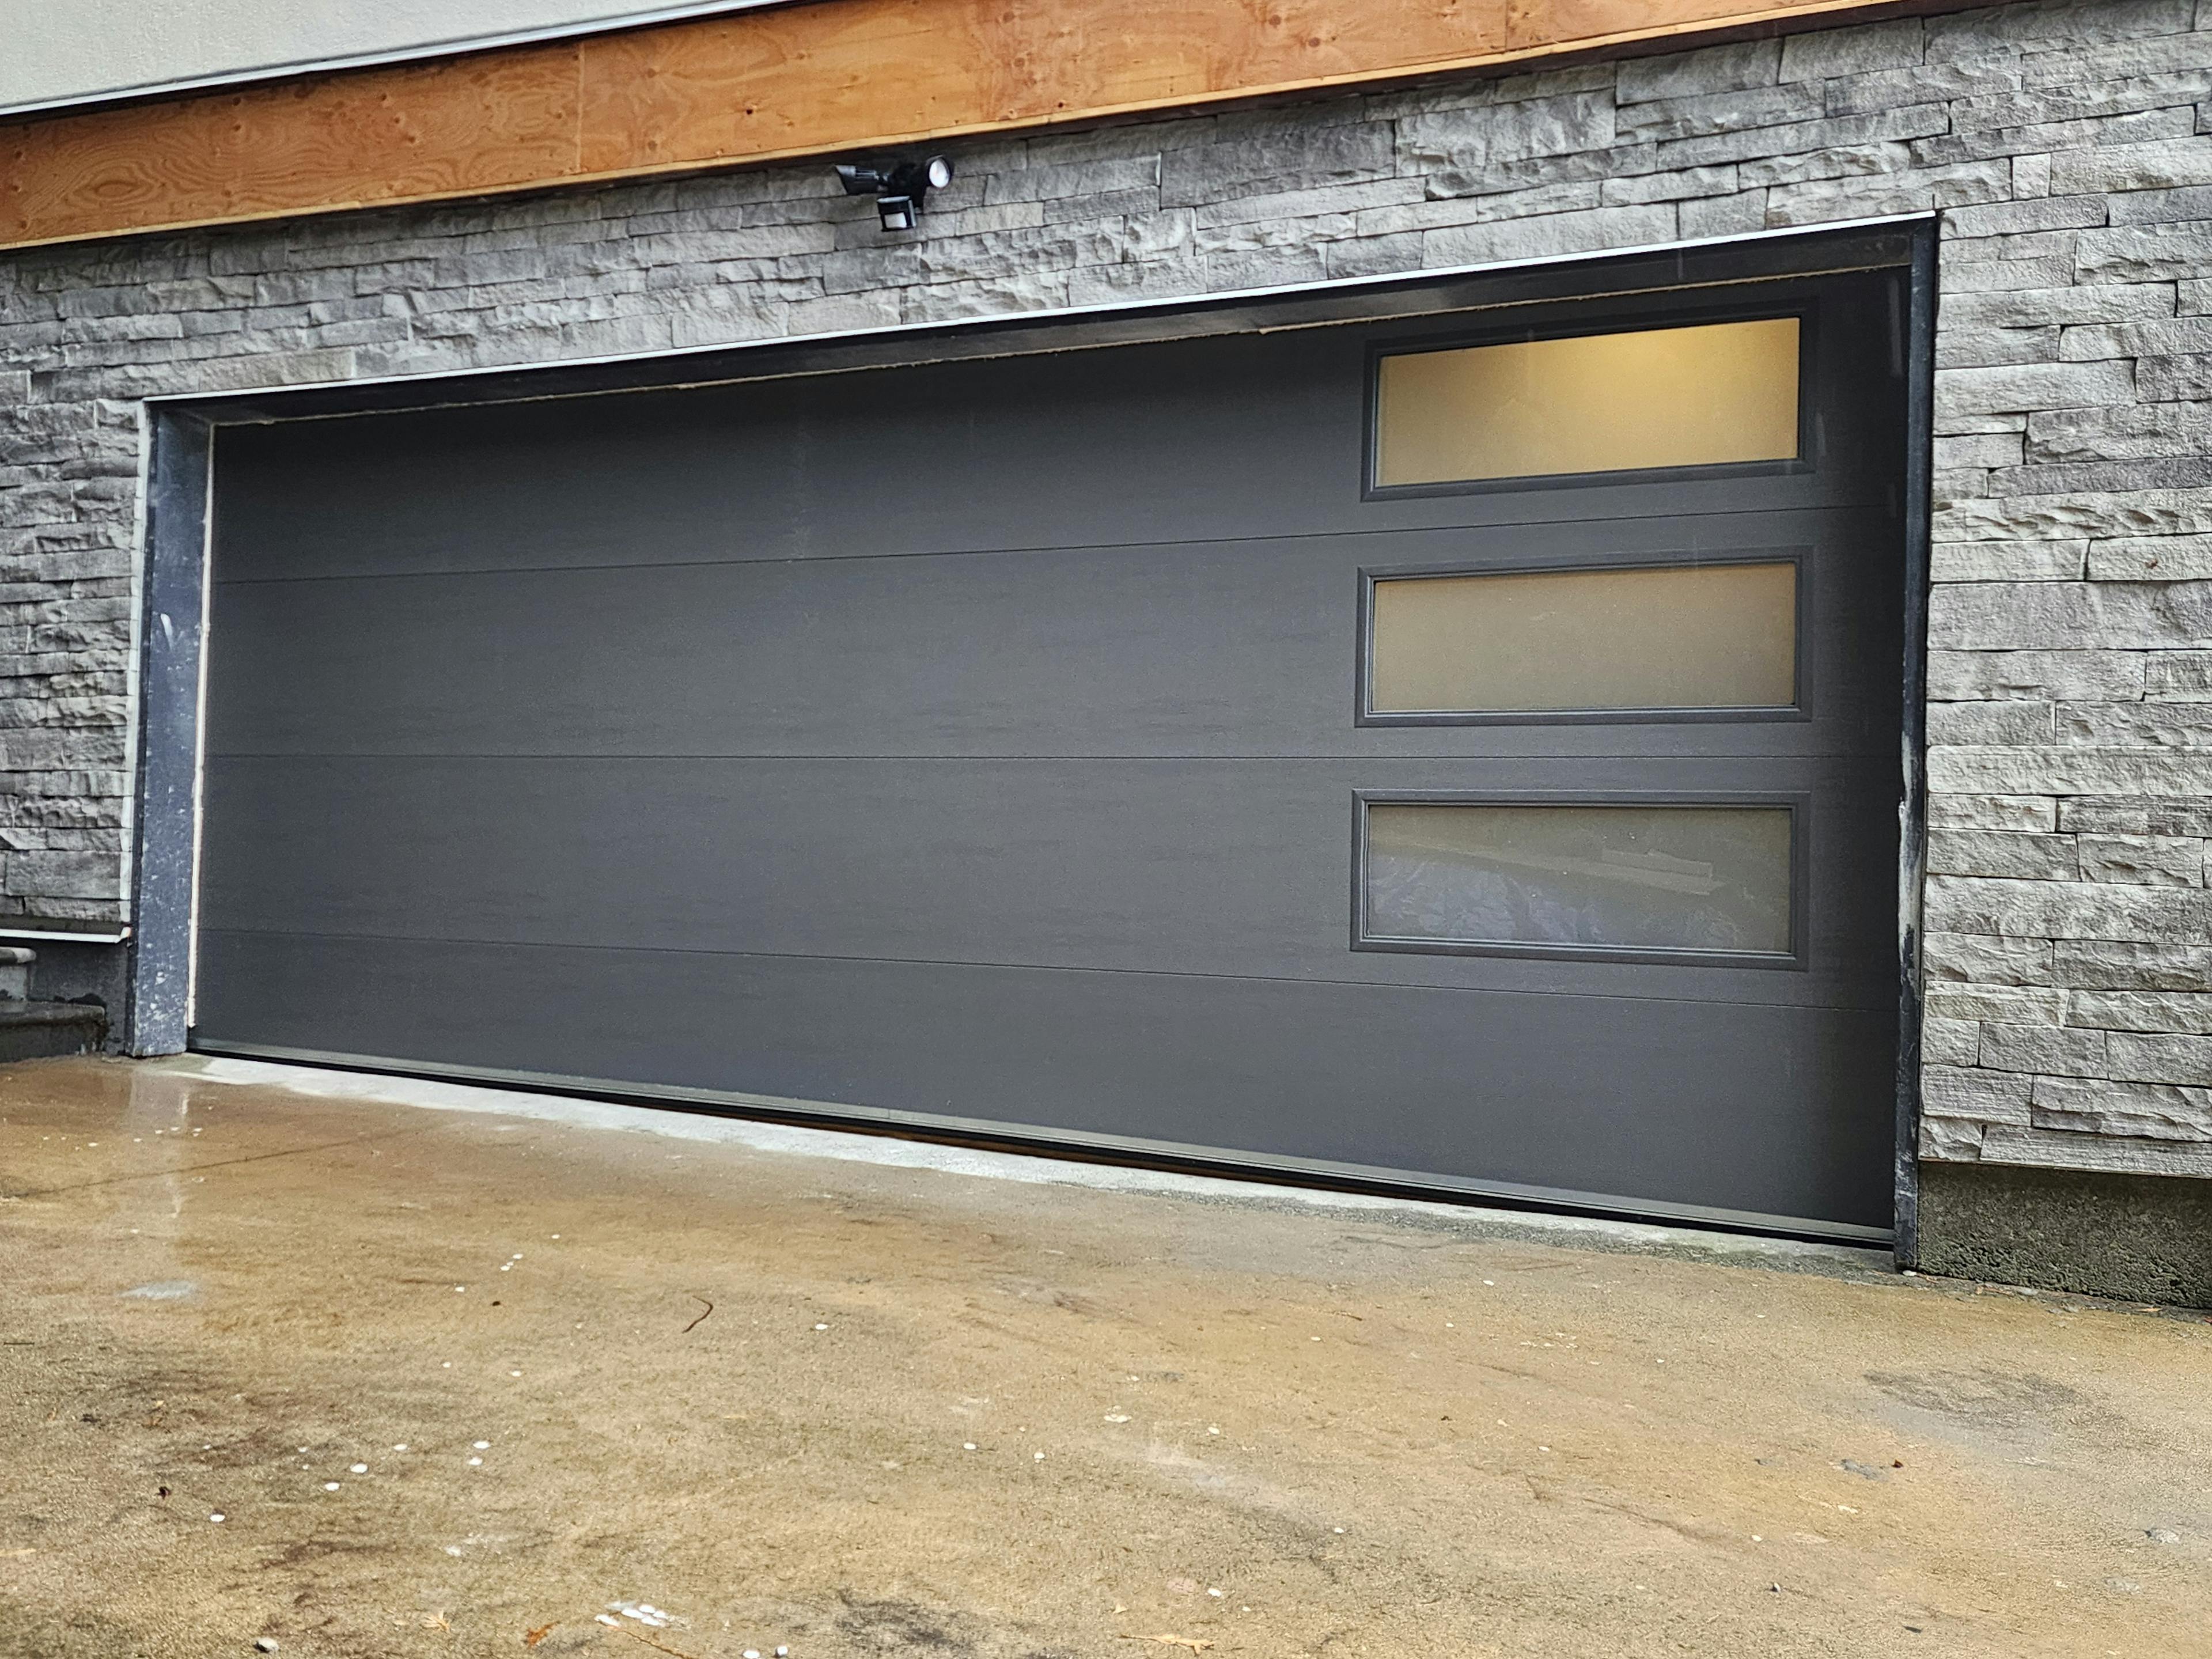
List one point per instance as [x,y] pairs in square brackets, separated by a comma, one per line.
[967,1445]
[1117,1417]
[1039,1456]
[820,1327]
[458,1289]
[217,1516]
[476,1462]
[360,1468]
[1336,1528]
[1213,1593]
[265,1644]
[514,1373]
[482,1445]
[402,1446]
[330,1486]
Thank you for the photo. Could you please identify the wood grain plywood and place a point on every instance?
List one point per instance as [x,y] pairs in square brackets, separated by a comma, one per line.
[842,76]
[421,131]
[822,77]
[832,77]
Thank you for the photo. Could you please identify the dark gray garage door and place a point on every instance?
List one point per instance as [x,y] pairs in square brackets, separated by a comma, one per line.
[1464,749]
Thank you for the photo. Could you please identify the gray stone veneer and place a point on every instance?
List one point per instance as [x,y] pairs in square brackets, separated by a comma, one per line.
[2069,146]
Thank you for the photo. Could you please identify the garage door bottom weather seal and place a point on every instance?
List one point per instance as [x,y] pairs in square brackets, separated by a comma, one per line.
[1083,1145]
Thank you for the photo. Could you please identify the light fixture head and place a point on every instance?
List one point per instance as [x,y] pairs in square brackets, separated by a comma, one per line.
[899,187]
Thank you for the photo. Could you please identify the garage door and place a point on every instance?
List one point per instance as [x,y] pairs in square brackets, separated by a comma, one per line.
[1455,750]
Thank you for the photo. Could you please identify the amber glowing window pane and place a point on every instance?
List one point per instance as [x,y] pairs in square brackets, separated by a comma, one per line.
[1596,402]
[1705,636]
[1705,878]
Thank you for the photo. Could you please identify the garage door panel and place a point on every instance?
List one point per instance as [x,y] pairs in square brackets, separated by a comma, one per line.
[1493,1086]
[1210,439]
[1216,867]
[1248,647]
[988,741]
[1184,649]
[875,464]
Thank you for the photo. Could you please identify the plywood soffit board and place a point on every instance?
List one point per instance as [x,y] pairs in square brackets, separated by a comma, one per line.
[827,76]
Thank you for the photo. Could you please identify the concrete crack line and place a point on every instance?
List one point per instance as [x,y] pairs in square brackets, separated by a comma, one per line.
[194,1168]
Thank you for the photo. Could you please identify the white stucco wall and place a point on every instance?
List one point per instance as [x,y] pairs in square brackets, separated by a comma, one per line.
[58,50]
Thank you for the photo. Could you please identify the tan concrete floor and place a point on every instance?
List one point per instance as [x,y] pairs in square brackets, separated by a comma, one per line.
[939,1414]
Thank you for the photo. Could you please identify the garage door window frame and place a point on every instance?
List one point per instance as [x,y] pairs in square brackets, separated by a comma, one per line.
[1797,803]
[1365,713]
[1597,324]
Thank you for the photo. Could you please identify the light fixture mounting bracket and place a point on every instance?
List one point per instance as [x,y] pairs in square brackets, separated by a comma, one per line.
[899,186]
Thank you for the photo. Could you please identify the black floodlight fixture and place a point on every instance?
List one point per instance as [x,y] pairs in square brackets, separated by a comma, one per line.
[898,187]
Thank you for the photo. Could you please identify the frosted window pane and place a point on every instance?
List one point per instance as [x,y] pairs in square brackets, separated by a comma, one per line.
[1651,878]
[1593,403]
[1714,637]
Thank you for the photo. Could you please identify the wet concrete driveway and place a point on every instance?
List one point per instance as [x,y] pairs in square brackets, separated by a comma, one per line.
[362,1377]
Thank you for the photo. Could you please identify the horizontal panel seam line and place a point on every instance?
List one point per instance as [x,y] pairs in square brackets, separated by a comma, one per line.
[1561,756]
[1040,967]
[222,582]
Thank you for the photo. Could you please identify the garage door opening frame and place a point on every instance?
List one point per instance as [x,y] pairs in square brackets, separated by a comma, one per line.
[181,444]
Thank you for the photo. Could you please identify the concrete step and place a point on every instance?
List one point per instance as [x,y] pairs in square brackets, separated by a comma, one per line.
[35,1031]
